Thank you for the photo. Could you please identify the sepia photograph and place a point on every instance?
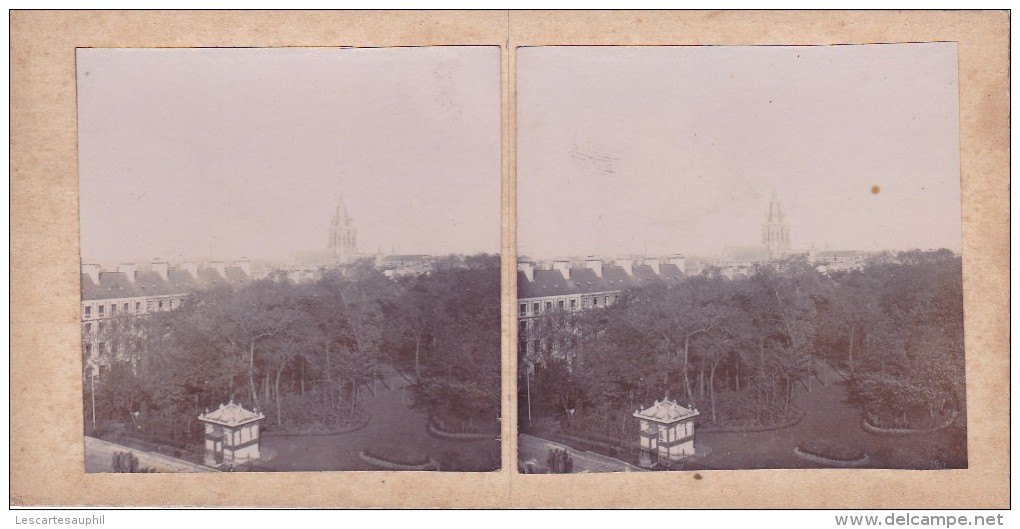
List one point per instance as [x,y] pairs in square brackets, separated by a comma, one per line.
[410,258]
[739,257]
[290,258]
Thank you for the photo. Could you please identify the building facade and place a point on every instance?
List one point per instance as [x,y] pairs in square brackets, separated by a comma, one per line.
[546,297]
[403,265]
[829,261]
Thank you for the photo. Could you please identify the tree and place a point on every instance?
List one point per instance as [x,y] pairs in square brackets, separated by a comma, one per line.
[460,380]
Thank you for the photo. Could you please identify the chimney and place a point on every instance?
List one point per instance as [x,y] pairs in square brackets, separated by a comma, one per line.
[220,267]
[595,264]
[528,268]
[161,269]
[129,270]
[563,266]
[191,267]
[679,262]
[654,263]
[244,265]
[627,265]
[92,270]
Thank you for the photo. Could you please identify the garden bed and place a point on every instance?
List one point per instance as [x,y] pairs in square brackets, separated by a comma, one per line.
[434,430]
[360,423]
[831,454]
[787,422]
[899,432]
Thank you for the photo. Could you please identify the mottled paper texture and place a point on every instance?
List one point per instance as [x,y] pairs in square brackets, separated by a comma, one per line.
[46,417]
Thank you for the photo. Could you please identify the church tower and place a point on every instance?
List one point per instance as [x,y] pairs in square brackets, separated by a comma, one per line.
[343,238]
[775,232]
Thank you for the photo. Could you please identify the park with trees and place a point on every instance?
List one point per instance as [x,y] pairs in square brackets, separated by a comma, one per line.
[757,353]
[309,355]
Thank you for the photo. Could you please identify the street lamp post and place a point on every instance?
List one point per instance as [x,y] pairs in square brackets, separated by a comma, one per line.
[527,375]
[92,377]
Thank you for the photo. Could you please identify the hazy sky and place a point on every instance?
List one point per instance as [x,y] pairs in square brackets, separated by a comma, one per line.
[226,153]
[677,149]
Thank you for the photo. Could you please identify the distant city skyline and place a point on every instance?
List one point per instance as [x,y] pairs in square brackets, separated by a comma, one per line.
[661,150]
[191,154]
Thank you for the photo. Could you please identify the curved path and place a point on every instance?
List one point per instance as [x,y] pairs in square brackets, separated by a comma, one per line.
[393,422]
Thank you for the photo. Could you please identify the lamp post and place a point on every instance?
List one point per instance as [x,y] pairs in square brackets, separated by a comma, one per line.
[92,377]
[527,374]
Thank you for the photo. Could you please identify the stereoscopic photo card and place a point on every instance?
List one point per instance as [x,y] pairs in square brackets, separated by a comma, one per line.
[679,259]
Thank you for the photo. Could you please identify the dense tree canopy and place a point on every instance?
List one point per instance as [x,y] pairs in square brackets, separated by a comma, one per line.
[745,351]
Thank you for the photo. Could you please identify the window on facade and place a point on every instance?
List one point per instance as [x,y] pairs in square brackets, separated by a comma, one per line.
[548,306]
[559,304]
[160,304]
[584,303]
[524,309]
[88,328]
[171,303]
[138,306]
[607,301]
[573,304]
[113,309]
[99,328]
[88,350]
[534,308]
[101,311]
[88,311]
[594,302]
[127,307]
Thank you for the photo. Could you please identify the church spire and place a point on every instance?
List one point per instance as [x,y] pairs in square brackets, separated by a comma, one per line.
[343,240]
[775,232]
[775,210]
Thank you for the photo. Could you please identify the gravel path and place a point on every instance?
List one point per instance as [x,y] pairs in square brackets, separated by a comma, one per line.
[393,422]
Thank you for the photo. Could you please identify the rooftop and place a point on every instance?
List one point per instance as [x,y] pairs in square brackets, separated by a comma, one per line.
[666,411]
[99,284]
[231,414]
[584,280]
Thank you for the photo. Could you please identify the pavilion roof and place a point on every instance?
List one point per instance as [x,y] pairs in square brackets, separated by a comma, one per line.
[231,414]
[666,411]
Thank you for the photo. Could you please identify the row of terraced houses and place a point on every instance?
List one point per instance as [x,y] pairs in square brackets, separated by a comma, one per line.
[113,299]
[566,287]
